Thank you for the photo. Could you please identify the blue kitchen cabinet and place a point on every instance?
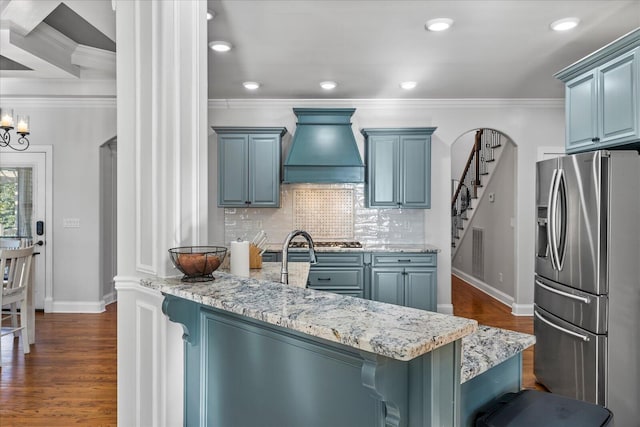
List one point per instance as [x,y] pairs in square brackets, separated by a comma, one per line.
[337,272]
[602,97]
[271,257]
[398,167]
[405,279]
[249,166]
[581,111]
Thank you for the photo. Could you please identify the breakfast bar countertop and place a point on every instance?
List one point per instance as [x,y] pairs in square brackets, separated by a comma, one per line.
[488,347]
[393,331]
[298,272]
[382,247]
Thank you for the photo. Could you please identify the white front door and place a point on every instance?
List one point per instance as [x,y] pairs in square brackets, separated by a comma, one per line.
[25,177]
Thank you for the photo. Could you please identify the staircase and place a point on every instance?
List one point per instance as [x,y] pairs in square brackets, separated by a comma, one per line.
[469,188]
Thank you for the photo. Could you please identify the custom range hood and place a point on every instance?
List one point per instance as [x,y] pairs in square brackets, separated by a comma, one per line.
[323,149]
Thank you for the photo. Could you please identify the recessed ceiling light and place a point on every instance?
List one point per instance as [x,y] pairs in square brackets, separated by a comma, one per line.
[564,24]
[220,46]
[438,24]
[328,85]
[251,85]
[408,85]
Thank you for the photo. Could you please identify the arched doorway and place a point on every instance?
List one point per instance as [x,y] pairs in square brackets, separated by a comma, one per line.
[484,212]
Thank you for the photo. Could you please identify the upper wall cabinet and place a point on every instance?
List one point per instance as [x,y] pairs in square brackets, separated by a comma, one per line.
[602,97]
[398,167]
[249,166]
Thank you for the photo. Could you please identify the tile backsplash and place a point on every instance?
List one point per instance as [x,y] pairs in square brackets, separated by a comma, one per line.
[323,212]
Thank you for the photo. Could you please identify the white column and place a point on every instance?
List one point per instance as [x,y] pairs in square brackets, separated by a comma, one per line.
[162,190]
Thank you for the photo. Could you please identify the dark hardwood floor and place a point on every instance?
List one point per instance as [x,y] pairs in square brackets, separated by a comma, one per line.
[70,376]
[474,304]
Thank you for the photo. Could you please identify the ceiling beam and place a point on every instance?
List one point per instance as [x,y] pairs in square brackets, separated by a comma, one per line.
[25,15]
[44,50]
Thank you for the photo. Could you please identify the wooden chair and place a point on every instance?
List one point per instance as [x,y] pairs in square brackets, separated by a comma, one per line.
[15,266]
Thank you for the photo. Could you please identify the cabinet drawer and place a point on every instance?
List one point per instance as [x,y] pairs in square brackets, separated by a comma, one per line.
[271,257]
[343,279]
[328,259]
[404,260]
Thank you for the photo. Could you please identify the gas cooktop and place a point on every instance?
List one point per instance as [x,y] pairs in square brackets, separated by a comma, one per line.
[327,245]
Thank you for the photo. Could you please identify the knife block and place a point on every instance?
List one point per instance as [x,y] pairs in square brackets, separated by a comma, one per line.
[255,259]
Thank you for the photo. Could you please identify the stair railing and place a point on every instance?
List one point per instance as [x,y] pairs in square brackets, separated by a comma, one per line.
[471,173]
[482,152]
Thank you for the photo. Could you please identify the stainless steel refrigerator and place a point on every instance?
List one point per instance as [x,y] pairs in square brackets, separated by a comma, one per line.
[587,280]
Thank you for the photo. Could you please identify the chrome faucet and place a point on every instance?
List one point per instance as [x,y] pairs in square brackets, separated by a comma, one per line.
[284,273]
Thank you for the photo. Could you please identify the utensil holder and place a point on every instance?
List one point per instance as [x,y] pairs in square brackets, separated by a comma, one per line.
[255,259]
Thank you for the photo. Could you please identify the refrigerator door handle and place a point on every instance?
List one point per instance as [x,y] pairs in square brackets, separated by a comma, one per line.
[561,243]
[564,294]
[561,329]
[550,219]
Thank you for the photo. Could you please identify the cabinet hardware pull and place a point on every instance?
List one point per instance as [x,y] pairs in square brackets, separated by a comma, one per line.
[404,260]
[585,300]
[584,338]
[324,278]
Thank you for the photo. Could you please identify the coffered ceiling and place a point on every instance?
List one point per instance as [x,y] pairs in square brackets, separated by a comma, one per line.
[495,49]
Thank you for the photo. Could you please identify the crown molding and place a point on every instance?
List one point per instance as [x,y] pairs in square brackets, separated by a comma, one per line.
[474,103]
[60,102]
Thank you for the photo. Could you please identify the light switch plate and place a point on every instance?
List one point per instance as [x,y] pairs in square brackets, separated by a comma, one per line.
[71,222]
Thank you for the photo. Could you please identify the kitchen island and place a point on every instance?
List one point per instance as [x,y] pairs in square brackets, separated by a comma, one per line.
[263,353]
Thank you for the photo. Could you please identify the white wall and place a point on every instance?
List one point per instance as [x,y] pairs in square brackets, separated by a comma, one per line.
[75,127]
[529,123]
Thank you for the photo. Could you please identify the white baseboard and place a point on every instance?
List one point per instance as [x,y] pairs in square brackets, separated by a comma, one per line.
[77,307]
[487,289]
[516,309]
[110,298]
[522,309]
[48,305]
[445,308]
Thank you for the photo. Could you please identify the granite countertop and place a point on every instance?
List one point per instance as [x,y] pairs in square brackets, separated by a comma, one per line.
[298,272]
[393,331]
[488,347]
[417,248]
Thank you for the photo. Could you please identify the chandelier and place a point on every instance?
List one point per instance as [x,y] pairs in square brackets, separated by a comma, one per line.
[22,129]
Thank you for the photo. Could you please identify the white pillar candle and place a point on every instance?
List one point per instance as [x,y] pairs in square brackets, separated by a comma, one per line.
[6,118]
[23,124]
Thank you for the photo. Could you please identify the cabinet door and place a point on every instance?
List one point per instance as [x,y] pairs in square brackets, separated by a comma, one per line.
[581,113]
[264,170]
[382,170]
[420,289]
[618,91]
[387,286]
[415,171]
[233,170]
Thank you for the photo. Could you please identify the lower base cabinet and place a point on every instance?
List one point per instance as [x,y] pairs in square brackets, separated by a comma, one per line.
[410,287]
[407,279]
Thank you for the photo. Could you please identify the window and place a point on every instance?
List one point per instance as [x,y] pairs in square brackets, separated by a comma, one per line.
[16,202]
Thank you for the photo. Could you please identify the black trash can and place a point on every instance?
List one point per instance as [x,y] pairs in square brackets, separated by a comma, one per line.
[531,408]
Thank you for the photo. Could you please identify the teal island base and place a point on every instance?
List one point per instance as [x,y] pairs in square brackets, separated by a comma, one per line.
[243,372]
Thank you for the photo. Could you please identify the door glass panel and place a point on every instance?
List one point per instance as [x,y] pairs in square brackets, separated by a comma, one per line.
[16,202]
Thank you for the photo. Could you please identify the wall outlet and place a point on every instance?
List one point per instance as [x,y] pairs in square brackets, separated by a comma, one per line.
[500,277]
[492,197]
